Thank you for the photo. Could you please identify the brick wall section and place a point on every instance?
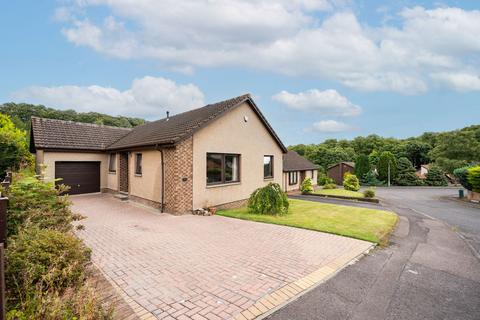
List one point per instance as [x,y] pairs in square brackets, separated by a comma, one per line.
[123,172]
[179,178]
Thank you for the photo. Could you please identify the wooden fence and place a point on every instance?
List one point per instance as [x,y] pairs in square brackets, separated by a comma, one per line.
[3,241]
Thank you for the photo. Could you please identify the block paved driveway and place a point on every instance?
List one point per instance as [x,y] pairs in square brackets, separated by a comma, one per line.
[193,267]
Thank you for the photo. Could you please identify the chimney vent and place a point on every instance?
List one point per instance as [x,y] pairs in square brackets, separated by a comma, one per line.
[168,115]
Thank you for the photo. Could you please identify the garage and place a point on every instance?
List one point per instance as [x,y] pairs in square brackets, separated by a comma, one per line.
[81,176]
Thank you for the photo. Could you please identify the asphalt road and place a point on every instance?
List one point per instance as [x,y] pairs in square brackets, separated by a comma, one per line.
[427,272]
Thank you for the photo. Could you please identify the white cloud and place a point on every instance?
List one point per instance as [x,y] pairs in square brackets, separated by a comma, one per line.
[330,126]
[328,102]
[285,37]
[147,97]
[459,81]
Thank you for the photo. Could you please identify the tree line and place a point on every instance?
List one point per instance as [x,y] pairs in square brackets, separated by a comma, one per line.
[20,114]
[375,155]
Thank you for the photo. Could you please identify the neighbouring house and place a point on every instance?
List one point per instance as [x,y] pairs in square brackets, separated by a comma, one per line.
[295,169]
[212,156]
[337,171]
[422,172]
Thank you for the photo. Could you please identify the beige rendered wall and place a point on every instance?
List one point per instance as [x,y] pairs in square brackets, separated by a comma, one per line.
[289,187]
[49,159]
[112,177]
[149,184]
[231,134]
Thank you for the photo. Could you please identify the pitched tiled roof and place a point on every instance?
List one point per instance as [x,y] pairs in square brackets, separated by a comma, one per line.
[292,161]
[348,163]
[69,135]
[162,132]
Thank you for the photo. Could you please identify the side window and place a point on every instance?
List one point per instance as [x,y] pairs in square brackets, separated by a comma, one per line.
[267,167]
[112,164]
[292,177]
[138,163]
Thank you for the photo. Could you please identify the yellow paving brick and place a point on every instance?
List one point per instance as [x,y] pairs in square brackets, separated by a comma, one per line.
[247,314]
[261,307]
[267,303]
[240,317]
[254,310]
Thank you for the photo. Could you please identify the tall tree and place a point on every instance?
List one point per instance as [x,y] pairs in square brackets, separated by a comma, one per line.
[417,152]
[362,166]
[406,173]
[387,166]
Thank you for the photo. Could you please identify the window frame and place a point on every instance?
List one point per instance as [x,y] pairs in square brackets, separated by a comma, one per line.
[292,178]
[271,165]
[222,170]
[137,166]
[114,170]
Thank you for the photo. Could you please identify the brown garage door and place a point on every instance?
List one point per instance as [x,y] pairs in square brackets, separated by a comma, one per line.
[82,177]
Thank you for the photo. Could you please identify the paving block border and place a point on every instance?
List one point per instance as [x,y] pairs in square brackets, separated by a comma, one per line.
[138,309]
[294,290]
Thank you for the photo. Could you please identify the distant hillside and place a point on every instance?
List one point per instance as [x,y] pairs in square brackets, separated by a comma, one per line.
[20,113]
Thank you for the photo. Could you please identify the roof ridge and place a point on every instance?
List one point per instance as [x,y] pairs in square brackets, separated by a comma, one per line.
[81,123]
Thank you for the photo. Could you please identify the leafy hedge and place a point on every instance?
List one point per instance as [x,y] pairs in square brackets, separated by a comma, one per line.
[462,176]
[46,264]
[474,178]
[269,200]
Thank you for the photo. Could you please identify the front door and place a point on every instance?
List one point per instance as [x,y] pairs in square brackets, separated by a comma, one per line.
[123,172]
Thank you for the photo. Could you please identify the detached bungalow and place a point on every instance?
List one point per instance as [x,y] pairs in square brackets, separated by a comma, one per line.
[212,156]
[295,169]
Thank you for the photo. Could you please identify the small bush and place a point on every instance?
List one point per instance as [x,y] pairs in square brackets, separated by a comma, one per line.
[307,186]
[330,186]
[369,193]
[436,177]
[41,256]
[350,182]
[474,178]
[321,178]
[269,200]
[462,176]
[371,179]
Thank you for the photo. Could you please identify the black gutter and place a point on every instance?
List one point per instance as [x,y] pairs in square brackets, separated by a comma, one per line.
[162,207]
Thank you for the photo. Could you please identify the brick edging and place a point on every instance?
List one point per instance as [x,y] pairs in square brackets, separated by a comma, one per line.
[294,290]
[138,309]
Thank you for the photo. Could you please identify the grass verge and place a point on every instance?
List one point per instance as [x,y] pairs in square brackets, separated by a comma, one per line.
[360,223]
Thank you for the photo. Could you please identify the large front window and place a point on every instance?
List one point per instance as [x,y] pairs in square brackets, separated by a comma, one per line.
[267,167]
[223,168]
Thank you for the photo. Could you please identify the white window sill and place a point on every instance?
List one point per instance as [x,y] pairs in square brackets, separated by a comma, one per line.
[112,172]
[268,179]
[138,175]
[223,185]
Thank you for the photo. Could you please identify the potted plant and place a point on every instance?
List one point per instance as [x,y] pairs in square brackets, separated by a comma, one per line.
[212,210]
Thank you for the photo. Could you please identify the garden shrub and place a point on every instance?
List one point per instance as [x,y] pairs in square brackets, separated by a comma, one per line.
[322,178]
[306,186]
[269,200]
[53,258]
[474,178]
[406,173]
[436,177]
[38,203]
[462,176]
[330,186]
[350,182]
[370,179]
[369,193]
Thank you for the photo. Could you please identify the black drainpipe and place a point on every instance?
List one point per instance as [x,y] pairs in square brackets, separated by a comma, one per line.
[162,207]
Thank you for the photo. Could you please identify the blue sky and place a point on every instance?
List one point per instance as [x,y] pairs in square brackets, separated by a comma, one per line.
[318,69]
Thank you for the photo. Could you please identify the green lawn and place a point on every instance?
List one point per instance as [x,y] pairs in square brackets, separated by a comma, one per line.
[361,223]
[339,192]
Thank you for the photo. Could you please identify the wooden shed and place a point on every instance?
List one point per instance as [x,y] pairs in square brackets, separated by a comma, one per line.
[337,171]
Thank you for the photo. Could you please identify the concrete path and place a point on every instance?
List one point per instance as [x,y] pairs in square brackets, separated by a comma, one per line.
[428,271]
[195,267]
